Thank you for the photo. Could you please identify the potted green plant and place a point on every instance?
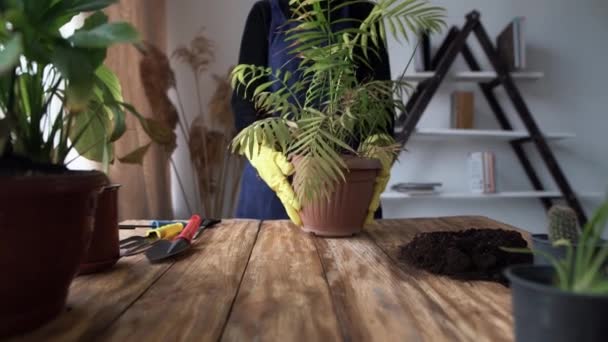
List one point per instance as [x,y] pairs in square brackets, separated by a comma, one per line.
[56,96]
[568,301]
[330,129]
[563,225]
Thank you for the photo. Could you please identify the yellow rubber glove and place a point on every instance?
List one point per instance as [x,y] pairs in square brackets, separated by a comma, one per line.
[386,159]
[274,168]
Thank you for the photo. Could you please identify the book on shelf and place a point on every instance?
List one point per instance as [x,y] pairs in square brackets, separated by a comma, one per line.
[482,172]
[414,188]
[511,44]
[463,107]
[422,192]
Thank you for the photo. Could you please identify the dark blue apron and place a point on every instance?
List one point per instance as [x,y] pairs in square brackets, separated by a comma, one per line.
[257,200]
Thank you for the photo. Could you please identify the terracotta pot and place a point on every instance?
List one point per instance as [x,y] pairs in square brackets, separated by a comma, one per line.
[104,250]
[344,213]
[46,223]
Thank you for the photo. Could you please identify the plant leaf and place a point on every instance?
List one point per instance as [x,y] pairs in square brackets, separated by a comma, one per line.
[9,55]
[136,156]
[78,67]
[4,134]
[76,6]
[105,35]
[90,134]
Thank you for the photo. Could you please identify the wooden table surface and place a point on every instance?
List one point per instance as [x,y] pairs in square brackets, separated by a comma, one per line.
[252,281]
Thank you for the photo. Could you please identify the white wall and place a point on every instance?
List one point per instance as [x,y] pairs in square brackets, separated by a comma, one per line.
[223,21]
[566,40]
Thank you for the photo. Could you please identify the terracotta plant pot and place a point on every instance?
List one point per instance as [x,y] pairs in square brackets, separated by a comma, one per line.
[46,223]
[104,250]
[343,214]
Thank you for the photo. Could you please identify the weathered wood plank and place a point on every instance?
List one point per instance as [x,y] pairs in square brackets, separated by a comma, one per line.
[95,301]
[377,301]
[480,310]
[284,295]
[193,298]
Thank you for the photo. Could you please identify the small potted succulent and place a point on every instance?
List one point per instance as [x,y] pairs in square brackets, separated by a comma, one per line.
[56,96]
[568,301]
[563,225]
[327,128]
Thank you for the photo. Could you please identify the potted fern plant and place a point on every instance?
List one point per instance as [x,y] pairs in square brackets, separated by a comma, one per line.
[56,96]
[328,127]
[568,301]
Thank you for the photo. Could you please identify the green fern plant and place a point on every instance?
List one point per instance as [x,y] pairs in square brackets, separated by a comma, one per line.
[337,108]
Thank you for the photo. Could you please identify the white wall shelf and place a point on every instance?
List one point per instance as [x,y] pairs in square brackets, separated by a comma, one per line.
[393,195]
[449,133]
[476,76]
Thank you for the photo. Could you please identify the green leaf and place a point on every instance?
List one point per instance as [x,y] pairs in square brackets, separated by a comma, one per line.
[160,133]
[136,156]
[78,67]
[90,134]
[9,55]
[94,20]
[105,35]
[110,82]
[111,96]
[5,130]
[76,6]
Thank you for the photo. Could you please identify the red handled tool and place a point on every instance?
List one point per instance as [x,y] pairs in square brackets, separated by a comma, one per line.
[164,249]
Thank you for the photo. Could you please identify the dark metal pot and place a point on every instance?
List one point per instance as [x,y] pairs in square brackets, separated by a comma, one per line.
[541,242]
[104,250]
[543,312]
[46,223]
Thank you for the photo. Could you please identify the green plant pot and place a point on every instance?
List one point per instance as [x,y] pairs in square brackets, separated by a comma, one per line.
[46,223]
[543,312]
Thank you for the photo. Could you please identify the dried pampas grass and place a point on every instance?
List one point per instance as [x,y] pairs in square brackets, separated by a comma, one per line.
[158,78]
[220,108]
[198,55]
[218,171]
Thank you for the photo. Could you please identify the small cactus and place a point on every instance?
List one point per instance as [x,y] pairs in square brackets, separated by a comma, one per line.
[563,224]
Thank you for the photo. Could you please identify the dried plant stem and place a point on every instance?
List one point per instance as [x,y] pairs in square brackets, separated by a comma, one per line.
[183,122]
[180,103]
[225,169]
[201,112]
[181,185]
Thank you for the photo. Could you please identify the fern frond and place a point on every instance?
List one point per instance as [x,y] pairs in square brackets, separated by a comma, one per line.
[327,108]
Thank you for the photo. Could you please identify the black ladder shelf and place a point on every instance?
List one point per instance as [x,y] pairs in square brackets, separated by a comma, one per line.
[456,43]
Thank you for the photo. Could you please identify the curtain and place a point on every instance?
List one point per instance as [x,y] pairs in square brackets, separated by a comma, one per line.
[146,191]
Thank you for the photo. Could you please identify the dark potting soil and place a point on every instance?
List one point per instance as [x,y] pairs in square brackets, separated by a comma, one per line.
[473,254]
[20,166]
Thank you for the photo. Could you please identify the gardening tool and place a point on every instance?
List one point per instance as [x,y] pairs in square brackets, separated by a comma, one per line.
[149,224]
[207,223]
[137,244]
[164,249]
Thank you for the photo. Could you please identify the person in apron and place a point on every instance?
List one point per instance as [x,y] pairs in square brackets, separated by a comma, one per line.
[264,43]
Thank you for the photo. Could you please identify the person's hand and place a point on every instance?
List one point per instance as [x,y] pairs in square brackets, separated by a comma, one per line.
[274,168]
[386,159]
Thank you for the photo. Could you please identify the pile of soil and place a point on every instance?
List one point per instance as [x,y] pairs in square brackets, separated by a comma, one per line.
[21,166]
[473,254]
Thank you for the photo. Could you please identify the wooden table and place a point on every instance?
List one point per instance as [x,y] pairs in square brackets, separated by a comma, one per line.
[252,281]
